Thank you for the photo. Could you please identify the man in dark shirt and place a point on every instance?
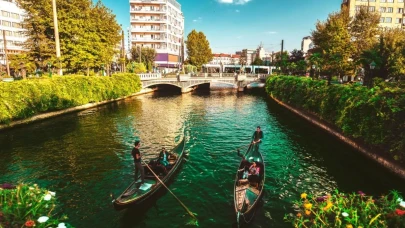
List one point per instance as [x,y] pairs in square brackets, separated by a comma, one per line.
[258,135]
[137,159]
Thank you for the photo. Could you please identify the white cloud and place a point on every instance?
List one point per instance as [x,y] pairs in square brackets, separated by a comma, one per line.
[271,32]
[237,11]
[199,19]
[237,2]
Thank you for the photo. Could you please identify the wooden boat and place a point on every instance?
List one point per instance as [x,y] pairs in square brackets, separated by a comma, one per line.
[248,192]
[136,194]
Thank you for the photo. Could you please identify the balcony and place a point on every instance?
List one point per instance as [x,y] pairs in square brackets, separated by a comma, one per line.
[148,11]
[148,1]
[148,30]
[149,39]
[149,20]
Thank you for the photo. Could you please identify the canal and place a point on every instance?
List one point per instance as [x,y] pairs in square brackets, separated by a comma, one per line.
[85,157]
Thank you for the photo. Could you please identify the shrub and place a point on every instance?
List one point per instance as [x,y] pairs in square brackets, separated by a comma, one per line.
[25,98]
[375,116]
[28,206]
[348,210]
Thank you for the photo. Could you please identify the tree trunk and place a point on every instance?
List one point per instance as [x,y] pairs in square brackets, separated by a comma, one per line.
[88,71]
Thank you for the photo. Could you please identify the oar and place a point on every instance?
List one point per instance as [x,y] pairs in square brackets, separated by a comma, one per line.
[184,206]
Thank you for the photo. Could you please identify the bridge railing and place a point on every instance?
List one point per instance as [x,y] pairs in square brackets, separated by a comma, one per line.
[150,76]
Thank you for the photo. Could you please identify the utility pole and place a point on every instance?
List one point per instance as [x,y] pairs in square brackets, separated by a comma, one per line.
[5,52]
[56,29]
[123,52]
[281,54]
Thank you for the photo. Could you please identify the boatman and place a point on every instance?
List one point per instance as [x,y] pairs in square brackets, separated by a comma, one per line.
[258,135]
[137,159]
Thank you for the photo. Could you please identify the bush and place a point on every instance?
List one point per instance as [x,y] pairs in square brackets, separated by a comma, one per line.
[375,116]
[25,98]
[348,210]
[28,206]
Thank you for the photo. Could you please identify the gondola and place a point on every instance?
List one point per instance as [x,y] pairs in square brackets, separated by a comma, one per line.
[249,191]
[136,194]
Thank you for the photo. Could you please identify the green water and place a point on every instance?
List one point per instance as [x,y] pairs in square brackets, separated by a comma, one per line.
[85,157]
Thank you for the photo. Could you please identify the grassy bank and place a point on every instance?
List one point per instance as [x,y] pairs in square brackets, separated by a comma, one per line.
[374,116]
[26,98]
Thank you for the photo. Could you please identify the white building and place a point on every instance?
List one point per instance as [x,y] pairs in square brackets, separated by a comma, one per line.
[306,44]
[11,17]
[158,24]
[225,59]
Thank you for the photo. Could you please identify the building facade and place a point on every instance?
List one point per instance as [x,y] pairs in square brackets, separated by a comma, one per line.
[224,59]
[306,44]
[11,18]
[158,24]
[392,11]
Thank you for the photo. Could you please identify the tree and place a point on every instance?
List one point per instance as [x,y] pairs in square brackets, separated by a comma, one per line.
[137,68]
[334,39]
[147,56]
[281,61]
[297,55]
[198,49]
[258,62]
[85,40]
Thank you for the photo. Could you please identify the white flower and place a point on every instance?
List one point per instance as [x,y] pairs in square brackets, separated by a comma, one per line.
[42,219]
[47,197]
[345,214]
[61,225]
[402,204]
[399,200]
[31,188]
[52,193]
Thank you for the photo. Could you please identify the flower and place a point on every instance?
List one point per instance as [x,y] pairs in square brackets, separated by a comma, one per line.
[304,195]
[361,193]
[52,193]
[299,215]
[399,212]
[29,223]
[61,225]
[328,206]
[399,200]
[402,204]
[42,219]
[308,206]
[321,199]
[345,214]
[349,226]
[47,197]
[307,212]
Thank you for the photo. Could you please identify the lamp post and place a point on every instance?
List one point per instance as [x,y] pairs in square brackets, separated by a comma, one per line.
[372,67]
[49,65]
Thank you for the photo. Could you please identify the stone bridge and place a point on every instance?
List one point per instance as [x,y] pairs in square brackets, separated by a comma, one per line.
[187,83]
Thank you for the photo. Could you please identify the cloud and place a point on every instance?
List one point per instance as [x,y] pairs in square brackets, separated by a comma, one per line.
[271,32]
[199,19]
[237,11]
[236,2]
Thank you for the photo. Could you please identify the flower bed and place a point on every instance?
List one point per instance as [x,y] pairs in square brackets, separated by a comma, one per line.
[29,206]
[348,210]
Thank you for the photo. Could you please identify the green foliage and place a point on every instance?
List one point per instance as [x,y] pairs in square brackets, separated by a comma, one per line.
[24,205]
[375,116]
[88,33]
[258,62]
[198,49]
[190,69]
[146,54]
[23,99]
[137,68]
[348,211]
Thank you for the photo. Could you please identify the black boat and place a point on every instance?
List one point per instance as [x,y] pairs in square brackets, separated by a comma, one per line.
[136,193]
[249,191]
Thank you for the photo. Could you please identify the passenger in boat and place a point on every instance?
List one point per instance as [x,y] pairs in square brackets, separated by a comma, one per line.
[244,167]
[137,160]
[164,157]
[254,173]
[258,135]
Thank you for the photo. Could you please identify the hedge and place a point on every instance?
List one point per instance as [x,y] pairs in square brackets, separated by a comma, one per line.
[26,98]
[374,116]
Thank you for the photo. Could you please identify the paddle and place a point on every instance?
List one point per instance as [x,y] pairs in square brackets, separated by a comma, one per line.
[181,203]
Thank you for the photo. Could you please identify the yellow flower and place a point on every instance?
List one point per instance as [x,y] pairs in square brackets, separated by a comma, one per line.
[349,226]
[328,206]
[308,206]
[303,195]
[307,212]
[299,215]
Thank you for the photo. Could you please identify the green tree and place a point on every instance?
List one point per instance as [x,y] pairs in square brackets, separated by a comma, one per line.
[258,62]
[198,49]
[333,38]
[134,67]
[147,56]
[88,33]
[296,55]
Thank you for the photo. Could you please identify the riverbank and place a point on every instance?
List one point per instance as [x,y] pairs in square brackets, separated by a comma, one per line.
[27,101]
[370,120]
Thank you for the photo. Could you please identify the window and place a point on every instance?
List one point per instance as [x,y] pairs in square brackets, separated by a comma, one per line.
[400,10]
[388,19]
[390,1]
[382,19]
[6,23]
[400,1]
[5,13]
[371,8]
[383,0]
[390,9]
[398,20]
[383,9]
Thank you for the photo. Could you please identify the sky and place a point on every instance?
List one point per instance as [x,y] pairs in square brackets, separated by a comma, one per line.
[233,25]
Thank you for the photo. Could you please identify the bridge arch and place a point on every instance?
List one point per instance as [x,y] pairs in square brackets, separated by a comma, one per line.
[147,85]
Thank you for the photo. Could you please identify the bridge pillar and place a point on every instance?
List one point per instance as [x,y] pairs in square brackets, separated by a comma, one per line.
[186,90]
[241,86]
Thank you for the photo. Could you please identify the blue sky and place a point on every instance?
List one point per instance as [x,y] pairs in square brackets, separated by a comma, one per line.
[232,25]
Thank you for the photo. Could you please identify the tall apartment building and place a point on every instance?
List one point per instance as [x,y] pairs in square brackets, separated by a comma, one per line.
[392,11]
[158,24]
[11,17]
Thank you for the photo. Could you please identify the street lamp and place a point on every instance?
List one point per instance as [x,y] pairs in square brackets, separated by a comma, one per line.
[49,65]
